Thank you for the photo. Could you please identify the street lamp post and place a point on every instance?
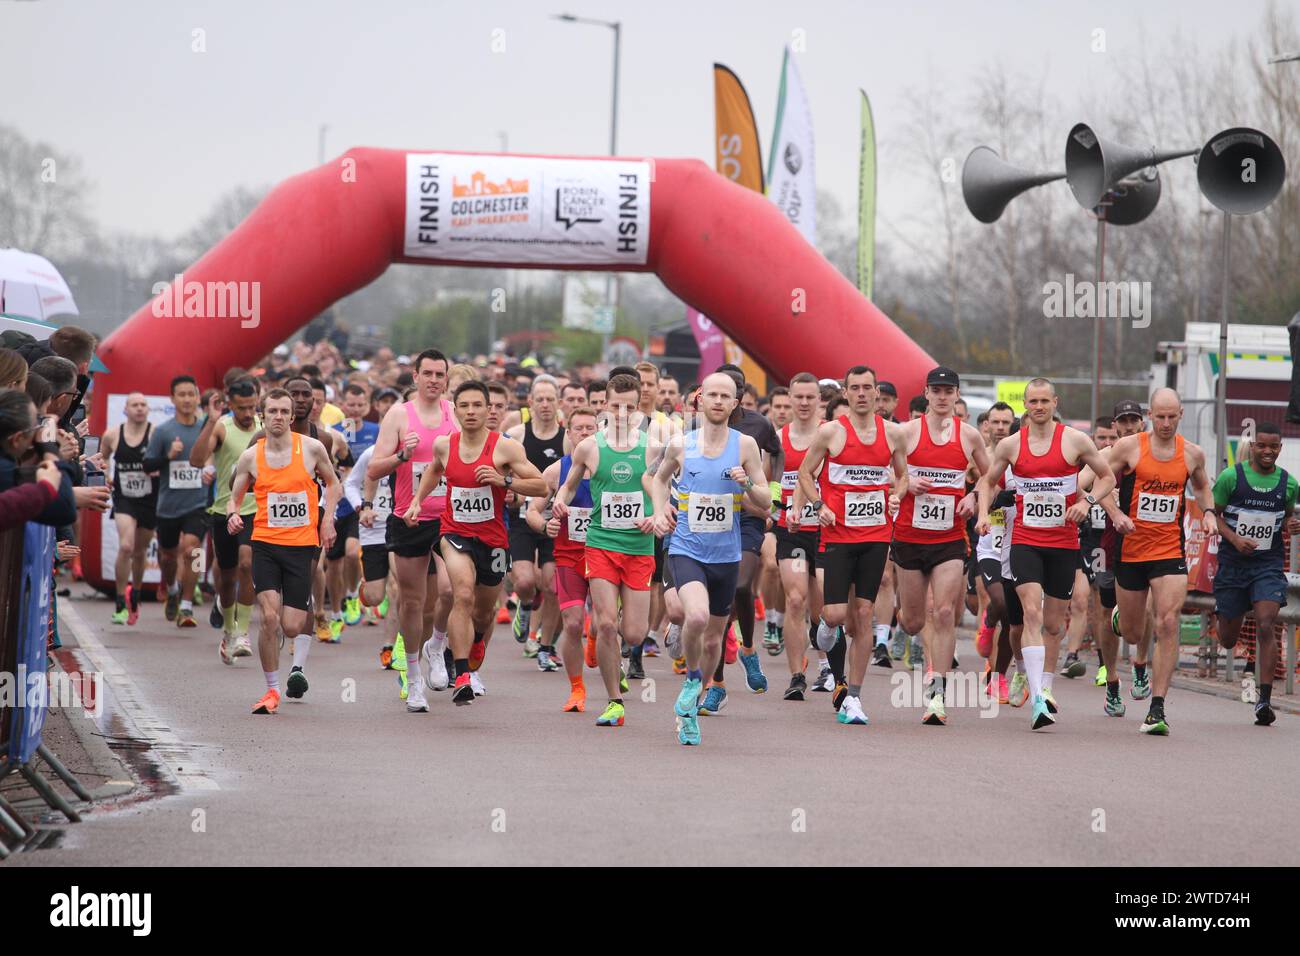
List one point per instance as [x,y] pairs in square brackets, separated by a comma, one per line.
[611,279]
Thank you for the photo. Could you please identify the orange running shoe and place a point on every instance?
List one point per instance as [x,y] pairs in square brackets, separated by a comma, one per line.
[477,651]
[590,656]
[577,702]
[268,704]
[503,615]
[732,644]
[679,665]
[386,656]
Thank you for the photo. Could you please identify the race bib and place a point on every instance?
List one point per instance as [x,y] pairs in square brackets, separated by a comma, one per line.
[1043,509]
[864,509]
[471,505]
[287,509]
[183,476]
[620,510]
[934,512]
[1097,517]
[135,484]
[1162,509]
[1258,526]
[383,503]
[709,514]
[579,520]
[417,472]
[809,516]
[997,534]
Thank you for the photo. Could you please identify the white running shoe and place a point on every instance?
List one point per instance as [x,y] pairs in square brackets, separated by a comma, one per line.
[415,701]
[851,712]
[433,668]
[479,689]
[227,649]
[673,641]
[242,647]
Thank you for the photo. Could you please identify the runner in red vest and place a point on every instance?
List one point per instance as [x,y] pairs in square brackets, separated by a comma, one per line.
[1044,457]
[929,534]
[479,466]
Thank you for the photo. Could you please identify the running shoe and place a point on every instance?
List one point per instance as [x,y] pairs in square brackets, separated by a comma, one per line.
[917,656]
[186,619]
[215,617]
[381,612]
[622,680]
[838,695]
[242,646]
[297,684]
[577,702]
[476,684]
[532,647]
[688,700]
[399,653]
[503,615]
[1141,689]
[825,682]
[1003,696]
[935,715]
[634,669]
[1040,717]
[673,641]
[589,655]
[386,657]
[546,663]
[755,680]
[898,644]
[688,731]
[120,617]
[649,647]
[268,703]
[612,717]
[132,616]
[433,667]
[798,687]
[1114,706]
[880,657]
[984,641]
[1074,667]
[1050,701]
[679,665]
[1100,680]
[1264,714]
[715,698]
[773,640]
[477,651]
[521,625]
[1019,692]
[416,702]
[322,628]
[732,644]
[403,685]
[464,693]
[1155,724]
[336,631]
[198,594]
[351,611]
[851,712]
[227,649]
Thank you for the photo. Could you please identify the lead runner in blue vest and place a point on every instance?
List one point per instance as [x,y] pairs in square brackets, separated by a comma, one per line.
[1252,499]
[716,467]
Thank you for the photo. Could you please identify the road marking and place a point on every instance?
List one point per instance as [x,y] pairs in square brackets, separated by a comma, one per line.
[134,709]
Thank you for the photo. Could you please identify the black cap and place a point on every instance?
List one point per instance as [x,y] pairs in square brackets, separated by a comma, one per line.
[943,376]
[1127,407]
[887,388]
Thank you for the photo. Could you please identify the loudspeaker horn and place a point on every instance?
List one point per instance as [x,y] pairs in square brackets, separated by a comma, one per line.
[988,183]
[1094,166]
[1240,170]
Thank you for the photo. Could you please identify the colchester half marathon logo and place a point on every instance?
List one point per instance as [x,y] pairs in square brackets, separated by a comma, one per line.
[482,202]
[621,472]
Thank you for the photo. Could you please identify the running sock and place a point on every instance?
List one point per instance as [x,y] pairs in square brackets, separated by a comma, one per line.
[412,662]
[1157,705]
[1139,671]
[174,588]
[440,636]
[135,598]
[1048,677]
[882,634]
[695,674]
[272,680]
[1112,688]
[243,618]
[301,645]
[187,607]
[120,603]
[635,655]
[1034,658]
[1266,693]
[336,615]
[855,690]
[462,666]
[229,624]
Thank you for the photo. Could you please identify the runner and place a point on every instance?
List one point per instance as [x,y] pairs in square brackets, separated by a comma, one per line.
[404,450]
[223,439]
[373,503]
[780,413]
[135,499]
[620,546]
[993,640]
[532,557]
[854,500]
[659,428]
[570,537]
[182,500]
[343,560]
[1044,458]
[1252,500]
[1086,614]
[929,541]
[474,543]
[705,550]
[284,468]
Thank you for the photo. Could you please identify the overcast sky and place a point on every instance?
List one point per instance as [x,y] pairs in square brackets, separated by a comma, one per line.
[164,131]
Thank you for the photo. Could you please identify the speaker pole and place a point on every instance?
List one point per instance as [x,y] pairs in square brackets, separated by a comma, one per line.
[1221,386]
[1096,314]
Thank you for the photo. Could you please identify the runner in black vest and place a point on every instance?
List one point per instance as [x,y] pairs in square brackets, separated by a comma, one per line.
[135,498]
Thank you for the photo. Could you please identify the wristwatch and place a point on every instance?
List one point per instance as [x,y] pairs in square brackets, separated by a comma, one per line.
[368,504]
[817,505]
[510,480]
[1090,499]
[401,453]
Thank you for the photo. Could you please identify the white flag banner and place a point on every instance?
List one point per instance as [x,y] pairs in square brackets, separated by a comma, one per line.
[791,182]
[470,207]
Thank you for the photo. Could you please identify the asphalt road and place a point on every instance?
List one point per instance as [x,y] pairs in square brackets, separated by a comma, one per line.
[512,780]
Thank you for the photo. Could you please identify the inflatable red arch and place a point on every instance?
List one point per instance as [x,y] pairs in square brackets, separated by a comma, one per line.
[323,234]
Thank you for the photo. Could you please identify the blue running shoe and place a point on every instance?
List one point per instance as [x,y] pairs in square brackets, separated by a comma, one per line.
[715,698]
[688,731]
[687,704]
[754,678]
[1041,716]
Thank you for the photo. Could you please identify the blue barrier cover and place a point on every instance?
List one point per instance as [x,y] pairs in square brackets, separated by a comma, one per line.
[33,633]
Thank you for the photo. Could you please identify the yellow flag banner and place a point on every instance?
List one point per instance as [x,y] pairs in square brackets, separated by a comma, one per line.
[1013,393]
[739,158]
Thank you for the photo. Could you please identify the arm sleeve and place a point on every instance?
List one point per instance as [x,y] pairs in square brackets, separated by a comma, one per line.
[23,504]
[352,484]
